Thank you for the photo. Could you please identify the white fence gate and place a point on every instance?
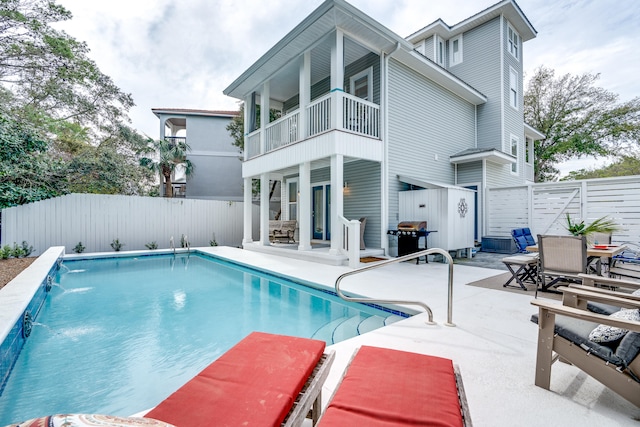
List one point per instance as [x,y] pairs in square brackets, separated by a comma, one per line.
[96,220]
[543,207]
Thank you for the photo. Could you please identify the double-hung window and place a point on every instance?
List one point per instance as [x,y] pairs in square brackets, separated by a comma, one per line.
[514,97]
[455,50]
[513,42]
[361,84]
[514,152]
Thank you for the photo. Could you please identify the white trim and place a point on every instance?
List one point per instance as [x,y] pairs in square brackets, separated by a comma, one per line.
[528,150]
[453,59]
[514,88]
[368,73]
[502,138]
[439,47]
[513,138]
[513,48]
[288,202]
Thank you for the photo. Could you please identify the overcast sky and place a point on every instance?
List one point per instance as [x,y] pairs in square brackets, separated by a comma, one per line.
[183,54]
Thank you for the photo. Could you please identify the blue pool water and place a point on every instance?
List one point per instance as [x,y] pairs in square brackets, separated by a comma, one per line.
[118,335]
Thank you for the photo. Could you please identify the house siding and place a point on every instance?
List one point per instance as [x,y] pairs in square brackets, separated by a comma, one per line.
[470,172]
[481,69]
[419,114]
[513,118]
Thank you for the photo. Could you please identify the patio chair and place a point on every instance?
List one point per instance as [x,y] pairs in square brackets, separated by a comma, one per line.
[627,263]
[562,259]
[523,238]
[568,332]
[264,380]
[385,387]
[527,269]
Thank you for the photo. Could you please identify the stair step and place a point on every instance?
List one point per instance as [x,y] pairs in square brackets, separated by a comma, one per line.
[347,329]
[370,323]
[325,332]
[393,319]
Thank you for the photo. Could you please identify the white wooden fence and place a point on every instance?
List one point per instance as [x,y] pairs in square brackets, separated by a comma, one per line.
[96,220]
[543,207]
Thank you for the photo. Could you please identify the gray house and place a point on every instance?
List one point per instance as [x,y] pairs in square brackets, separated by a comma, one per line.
[218,169]
[367,114]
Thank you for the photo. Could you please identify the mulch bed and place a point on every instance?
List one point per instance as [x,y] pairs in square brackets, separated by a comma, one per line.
[10,268]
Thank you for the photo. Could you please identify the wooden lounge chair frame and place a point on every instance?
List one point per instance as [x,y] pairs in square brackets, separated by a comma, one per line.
[552,346]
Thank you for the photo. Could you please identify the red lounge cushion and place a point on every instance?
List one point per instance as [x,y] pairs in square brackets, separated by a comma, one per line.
[385,387]
[254,383]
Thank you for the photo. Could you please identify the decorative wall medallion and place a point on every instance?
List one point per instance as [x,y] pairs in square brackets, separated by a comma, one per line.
[463,208]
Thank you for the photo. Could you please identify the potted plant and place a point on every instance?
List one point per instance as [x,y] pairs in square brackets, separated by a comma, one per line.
[600,225]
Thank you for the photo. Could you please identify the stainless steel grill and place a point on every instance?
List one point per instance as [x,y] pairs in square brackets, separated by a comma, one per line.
[409,234]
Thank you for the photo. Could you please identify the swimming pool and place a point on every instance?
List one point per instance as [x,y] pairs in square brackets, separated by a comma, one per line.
[118,335]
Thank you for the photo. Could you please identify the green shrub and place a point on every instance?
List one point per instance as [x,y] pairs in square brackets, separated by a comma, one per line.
[152,245]
[26,248]
[5,252]
[17,251]
[116,245]
[79,248]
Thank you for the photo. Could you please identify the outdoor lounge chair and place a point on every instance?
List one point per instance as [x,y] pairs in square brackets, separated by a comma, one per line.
[523,238]
[264,380]
[384,387]
[562,259]
[564,333]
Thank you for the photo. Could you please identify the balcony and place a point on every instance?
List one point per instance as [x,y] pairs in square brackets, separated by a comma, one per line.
[334,111]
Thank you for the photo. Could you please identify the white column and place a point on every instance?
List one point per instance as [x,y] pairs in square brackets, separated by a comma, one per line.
[337,162]
[247,118]
[305,94]
[264,115]
[304,186]
[264,209]
[248,212]
[163,122]
[337,78]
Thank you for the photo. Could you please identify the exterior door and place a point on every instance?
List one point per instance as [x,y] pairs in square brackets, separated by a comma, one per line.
[321,221]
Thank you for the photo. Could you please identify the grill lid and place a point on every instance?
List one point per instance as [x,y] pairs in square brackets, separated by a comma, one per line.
[412,225]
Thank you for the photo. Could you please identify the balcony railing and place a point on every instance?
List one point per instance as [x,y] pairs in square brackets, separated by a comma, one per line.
[355,115]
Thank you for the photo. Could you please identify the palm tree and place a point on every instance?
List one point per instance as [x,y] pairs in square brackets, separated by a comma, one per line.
[171,152]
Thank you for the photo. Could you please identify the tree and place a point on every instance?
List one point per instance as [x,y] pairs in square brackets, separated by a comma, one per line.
[27,173]
[236,126]
[627,165]
[578,119]
[172,153]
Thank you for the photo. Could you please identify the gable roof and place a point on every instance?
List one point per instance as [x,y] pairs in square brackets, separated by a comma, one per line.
[319,25]
[508,8]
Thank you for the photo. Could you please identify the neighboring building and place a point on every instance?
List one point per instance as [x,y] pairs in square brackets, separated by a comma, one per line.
[217,165]
[383,114]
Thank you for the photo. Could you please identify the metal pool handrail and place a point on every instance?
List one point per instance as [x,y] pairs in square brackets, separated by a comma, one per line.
[411,256]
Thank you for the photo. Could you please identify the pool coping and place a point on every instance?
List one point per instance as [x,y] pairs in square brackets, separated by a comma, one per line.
[24,294]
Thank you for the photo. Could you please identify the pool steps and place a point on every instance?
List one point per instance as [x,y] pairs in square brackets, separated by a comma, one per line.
[343,328]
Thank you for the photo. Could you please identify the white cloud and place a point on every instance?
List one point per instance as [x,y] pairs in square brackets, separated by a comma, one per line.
[182,54]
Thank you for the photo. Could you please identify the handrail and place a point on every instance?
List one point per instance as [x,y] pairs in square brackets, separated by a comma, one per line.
[411,256]
[172,246]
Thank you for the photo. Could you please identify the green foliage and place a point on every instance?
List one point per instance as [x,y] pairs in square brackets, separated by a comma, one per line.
[236,126]
[27,173]
[151,246]
[26,248]
[577,119]
[600,225]
[213,242]
[6,252]
[626,166]
[171,154]
[79,248]
[116,245]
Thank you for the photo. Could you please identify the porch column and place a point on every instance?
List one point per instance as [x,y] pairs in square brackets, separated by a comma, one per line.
[264,209]
[337,78]
[163,124]
[305,94]
[304,220]
[337,169]
[264,116]
[248,212]
[248,113]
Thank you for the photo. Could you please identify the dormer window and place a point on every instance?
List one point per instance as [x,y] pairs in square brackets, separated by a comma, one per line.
[455,48]
[513,42]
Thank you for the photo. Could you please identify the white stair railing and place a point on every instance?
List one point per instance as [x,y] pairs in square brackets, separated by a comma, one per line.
[350,240]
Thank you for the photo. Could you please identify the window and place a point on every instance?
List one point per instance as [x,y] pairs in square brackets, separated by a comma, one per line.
[513,41]
[528,153]
[514,152]
[513,88]
[292,199]
[438,51]
[361,84]
[455,47]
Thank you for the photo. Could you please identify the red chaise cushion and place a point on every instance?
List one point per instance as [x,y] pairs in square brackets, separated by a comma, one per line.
[254,383]
[384,387]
